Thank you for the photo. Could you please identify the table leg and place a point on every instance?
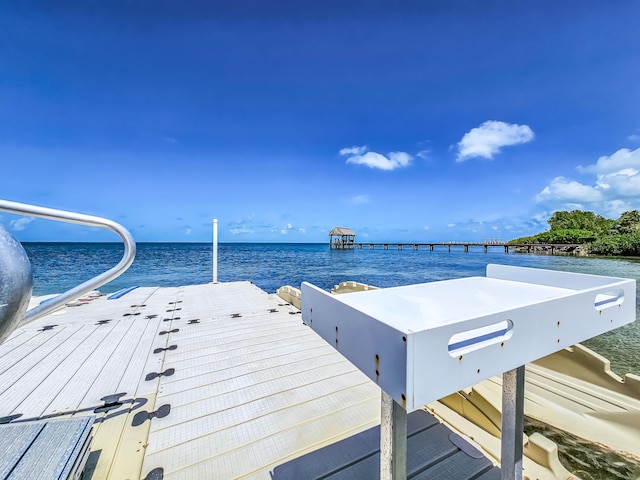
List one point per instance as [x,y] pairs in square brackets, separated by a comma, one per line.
[393,440]
[512,424]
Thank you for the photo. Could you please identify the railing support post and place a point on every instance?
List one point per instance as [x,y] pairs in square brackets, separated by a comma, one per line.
[215,250]
[512,424]
[393,439]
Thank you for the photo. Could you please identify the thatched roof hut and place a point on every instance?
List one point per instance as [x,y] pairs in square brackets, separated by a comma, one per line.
[345,238]
[337,231]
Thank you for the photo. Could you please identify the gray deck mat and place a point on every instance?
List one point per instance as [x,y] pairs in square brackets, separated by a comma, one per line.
[430,455]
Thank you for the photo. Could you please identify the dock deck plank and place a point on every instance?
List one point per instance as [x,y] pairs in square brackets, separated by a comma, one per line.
[75,357]
[26,397]
[113,370]
[75,389]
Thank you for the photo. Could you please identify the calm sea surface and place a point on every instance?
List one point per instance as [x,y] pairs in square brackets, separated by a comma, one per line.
[60,266]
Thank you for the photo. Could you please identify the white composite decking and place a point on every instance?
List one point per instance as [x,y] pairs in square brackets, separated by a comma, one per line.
[247,386]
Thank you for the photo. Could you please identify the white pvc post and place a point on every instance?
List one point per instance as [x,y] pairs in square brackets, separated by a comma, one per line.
[215,250]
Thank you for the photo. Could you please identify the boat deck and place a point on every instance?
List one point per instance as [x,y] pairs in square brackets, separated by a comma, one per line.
[205,381]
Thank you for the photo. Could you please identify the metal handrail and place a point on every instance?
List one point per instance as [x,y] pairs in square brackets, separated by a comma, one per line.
[81,219]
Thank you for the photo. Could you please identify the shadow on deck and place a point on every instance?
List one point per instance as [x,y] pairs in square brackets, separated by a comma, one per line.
[433,452]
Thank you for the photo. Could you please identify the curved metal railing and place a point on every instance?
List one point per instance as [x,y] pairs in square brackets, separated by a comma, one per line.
[81,219]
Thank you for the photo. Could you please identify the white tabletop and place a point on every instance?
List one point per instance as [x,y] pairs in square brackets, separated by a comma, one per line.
[425,306]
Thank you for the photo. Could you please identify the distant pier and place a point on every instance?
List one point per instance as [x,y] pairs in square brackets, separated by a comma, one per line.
[343,238]
[551,248]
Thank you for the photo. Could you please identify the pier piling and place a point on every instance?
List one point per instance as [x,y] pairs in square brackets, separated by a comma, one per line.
[465,246]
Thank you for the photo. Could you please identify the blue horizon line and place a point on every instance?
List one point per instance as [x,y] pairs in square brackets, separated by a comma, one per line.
[115,242]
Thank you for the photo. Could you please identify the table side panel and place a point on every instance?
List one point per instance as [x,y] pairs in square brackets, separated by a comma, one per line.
[376,349]
[418,367]
[538,330]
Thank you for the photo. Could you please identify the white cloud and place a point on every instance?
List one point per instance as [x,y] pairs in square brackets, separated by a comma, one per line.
[542,217]
[423,154]
[626,182]
[487,139]
[634,137]
[285,230]
[20,224]
[400,159]
[188,231]
[242,226]
[561,189]
[623,158]
[426,227]
[353,150]
[360,156]
[243,229]
[615,189]
[302,230]
[451,225]
[615,208]
[360,199]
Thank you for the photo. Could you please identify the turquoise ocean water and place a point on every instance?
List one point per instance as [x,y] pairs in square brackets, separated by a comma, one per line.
[59,266]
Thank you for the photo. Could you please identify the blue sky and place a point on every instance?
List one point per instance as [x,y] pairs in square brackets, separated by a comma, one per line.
[405,121]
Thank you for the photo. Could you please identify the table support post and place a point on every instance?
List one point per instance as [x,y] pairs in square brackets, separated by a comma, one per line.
[512,424]
[393,440]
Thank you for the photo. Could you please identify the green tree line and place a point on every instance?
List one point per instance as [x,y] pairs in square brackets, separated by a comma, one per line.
[600,235]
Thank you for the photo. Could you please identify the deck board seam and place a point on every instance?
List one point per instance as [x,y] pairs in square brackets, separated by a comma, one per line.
[122,342]
[171,380]
[83,331]
[297,386]
[251,342]
[275,347]
[78,366]
[91,357]
[482,472]
[32,352]
[254,440]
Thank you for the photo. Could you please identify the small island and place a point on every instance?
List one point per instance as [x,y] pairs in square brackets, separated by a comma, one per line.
[596,234]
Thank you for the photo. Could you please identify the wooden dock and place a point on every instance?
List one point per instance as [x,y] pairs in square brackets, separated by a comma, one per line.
[530,247]
[342,238]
